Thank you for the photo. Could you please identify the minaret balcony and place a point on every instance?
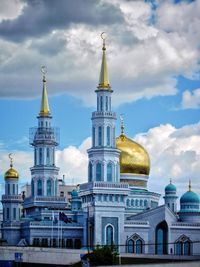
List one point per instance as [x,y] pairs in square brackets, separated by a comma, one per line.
[103,114]
[13,198]
[41,134]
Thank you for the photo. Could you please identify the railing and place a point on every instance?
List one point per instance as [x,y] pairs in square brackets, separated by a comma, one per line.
[45,198]
[103,185]
[11,197]
[135,223]
[103,114]
[37,134]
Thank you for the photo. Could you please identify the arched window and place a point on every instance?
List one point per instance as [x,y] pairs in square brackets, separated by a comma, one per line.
[127,202]
[8,189]
[145,203]
[40,156]
[109,172]
[141,202]
[183,246]
[108,135]
[56,186]
[49,187]
[117,172]
[13,189]
[48,156]
[110,103]
[113,138]
[39,187]
[106,103]
[130,246]
[98,172]
[109,235]
[137,202]
[132,202]
[99,135]
[93,136]
[186,248]
[32,188]
[101,103]
[90,171]
[138,246]
[161,238]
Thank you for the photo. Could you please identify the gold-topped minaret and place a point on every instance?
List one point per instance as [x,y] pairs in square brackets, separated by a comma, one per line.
[11,173]
[44,110]
[103,79]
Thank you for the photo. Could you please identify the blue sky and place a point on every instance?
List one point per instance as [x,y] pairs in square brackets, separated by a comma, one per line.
[153,68]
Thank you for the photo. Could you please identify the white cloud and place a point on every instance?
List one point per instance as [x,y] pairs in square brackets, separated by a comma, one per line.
[174,153]
[144,58]
[10,9]
[191,99]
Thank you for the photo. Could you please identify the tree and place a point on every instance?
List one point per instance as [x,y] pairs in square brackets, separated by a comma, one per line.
[105,255]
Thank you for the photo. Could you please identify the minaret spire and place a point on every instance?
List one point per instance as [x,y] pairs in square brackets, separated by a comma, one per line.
[190,186]
[103,79]
[44,110]
[122,124]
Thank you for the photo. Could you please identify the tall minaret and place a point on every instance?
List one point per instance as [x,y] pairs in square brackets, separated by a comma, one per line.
[103,155]
[44,139]
[11,202]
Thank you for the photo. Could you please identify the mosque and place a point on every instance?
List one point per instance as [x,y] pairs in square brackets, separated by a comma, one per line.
[113,207]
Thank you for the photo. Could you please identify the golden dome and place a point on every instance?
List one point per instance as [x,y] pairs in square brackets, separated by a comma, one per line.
[11,173]
[134,159]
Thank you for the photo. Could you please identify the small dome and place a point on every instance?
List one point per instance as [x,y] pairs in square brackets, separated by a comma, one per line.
[170,188]
[134,159]
[11,173]
[190,197]
[74,194]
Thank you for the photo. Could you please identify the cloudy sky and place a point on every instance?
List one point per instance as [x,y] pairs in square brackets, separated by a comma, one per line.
[153,54]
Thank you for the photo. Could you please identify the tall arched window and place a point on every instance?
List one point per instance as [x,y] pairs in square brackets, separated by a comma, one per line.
[39,187]
[99,135]
[138,246]
[132,202]
[40,156]
[98,172]
[117,172]
[187,248]
[48,156]
[101,103]
[49,187]
[8,189]
[109,235]
[106,103]
[108,135]
[32,188]
[109,172]
[130,246]
[93,136]
[161,238]
[90,171]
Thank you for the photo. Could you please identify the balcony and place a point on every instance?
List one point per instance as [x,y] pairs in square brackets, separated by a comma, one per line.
[11,198]
[37,135]
[100,114]
[103,185]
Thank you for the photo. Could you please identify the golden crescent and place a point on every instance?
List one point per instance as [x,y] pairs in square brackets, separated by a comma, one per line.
[9,155]
[103,37]
[44,69]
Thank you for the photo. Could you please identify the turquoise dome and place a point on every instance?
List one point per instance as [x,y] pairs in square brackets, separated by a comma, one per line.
[190,197]
[170,187]
[74,194]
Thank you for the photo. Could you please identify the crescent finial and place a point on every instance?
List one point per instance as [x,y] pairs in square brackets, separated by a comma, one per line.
[103,37]
[11,159]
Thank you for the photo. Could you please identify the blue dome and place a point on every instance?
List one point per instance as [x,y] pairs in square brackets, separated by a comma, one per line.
[170,187]
[190,197]
[74,193]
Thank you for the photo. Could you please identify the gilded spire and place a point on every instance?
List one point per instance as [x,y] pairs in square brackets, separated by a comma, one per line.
[44,110]
[103,79]
[190,186]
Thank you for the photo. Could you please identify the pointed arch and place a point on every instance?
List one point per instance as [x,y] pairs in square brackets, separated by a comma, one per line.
[161,246]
